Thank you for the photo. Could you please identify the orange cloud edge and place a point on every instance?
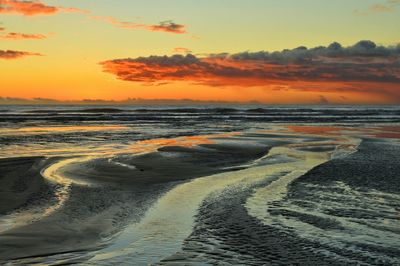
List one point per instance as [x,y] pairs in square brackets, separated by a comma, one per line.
[364,70]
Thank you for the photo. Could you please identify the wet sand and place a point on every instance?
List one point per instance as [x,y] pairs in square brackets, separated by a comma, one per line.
[236,199]
[103,195]
[21,183]
[170,163]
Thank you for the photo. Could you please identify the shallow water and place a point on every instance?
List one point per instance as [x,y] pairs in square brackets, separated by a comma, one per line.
[362,222]
[162,231]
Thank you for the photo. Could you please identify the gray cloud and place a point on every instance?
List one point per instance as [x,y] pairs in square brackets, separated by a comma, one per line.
[363,62]
[165,26]
[362,52]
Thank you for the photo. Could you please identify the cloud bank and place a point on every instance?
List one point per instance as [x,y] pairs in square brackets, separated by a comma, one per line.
[363,66]
[364,61]
[128,101]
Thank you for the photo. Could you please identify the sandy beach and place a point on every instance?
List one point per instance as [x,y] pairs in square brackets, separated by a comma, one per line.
[284,194]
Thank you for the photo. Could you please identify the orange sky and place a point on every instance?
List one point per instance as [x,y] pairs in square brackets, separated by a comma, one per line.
[74,50]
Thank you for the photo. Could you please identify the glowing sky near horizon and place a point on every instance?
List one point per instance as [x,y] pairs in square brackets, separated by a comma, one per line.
[75,49]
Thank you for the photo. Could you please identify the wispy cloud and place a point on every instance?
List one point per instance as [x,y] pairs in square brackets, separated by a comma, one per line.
[33,8]
[388,6]
[22,36]
[165,26]
[37,7]
[382,8]
[10,54]
[182,50]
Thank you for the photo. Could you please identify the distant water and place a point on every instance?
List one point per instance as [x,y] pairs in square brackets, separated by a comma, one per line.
[52,130]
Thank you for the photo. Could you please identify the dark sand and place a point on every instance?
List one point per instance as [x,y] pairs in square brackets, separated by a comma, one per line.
[122,188]
[171,163]
[226,234]
[374,166]
[119,195]
[21,183]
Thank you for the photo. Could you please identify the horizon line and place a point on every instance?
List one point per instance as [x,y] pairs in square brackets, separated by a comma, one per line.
[141,101]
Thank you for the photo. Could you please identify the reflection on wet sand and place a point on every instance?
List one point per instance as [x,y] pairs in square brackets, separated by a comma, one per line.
[57,129]
[146,146]
[366,131]
[140,203]
[162,231]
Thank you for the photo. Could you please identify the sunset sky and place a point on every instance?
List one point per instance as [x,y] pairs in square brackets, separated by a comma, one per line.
[343,51]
